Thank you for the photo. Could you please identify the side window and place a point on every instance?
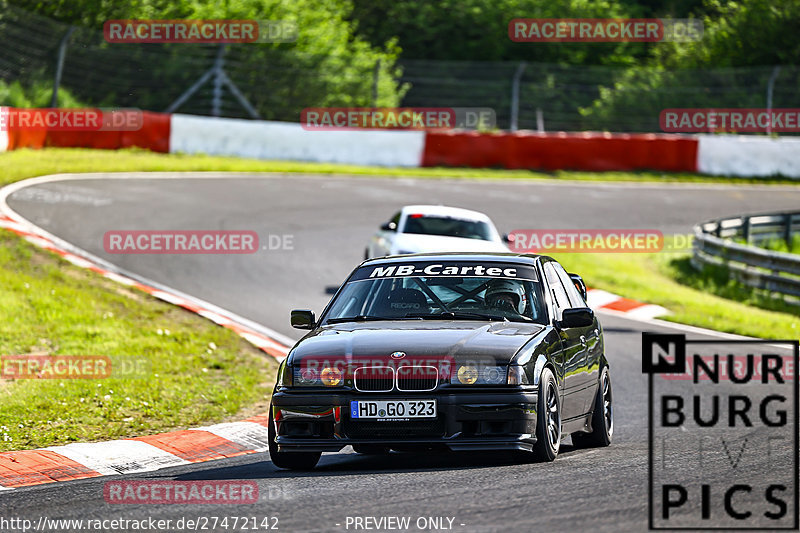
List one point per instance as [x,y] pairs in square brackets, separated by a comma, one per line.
[575,297]
[555,287]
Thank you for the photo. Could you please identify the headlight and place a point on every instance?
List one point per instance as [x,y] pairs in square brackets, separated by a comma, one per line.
[311,377]
[472,374]
[284,375]
[331,376]
[467,375]
[517,375]
[308,377]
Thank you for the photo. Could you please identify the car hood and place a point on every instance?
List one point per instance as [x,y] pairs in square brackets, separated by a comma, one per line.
[458,340]
[416,243]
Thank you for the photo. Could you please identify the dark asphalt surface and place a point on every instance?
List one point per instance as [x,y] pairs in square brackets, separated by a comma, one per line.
[330,220]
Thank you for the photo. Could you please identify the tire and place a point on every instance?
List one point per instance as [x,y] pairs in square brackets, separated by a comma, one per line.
[602,417]
[548,418]
[289,460]
[370,449]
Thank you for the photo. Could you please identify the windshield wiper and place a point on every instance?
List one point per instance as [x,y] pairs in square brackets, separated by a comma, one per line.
[357,318]
[456,315]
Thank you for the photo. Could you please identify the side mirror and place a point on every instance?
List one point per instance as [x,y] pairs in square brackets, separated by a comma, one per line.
[303,319]
[578,317]
[508,238]
[579,284]
[389,226]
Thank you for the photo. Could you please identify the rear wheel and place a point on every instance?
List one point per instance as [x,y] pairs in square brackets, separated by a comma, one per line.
[289,460]
[602,417]
[548,418]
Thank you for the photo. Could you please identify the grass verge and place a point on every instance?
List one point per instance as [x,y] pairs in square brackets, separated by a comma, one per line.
[19,164]
[195,372]
[201,373]
[705,299]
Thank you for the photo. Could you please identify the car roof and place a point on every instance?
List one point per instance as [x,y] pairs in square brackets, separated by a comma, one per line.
[445,211]
[497,257]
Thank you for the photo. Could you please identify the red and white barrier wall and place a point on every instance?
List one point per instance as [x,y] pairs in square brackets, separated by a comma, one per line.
[730,155]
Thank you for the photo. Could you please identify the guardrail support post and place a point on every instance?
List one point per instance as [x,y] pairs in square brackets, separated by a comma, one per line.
[787,231]
[746,229]
[515,96]
[62,53]
[375,76]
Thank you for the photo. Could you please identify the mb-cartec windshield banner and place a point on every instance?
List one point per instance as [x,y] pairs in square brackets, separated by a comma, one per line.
[446,269]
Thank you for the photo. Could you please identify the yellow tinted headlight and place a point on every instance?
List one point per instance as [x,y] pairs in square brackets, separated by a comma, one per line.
[467,375]
[331,377]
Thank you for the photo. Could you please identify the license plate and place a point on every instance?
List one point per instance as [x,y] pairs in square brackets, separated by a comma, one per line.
[392,409]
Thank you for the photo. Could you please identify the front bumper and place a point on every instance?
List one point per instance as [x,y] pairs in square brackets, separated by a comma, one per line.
[469,420]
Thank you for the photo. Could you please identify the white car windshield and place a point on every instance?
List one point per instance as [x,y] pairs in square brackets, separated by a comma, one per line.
[447,226]
[439,298]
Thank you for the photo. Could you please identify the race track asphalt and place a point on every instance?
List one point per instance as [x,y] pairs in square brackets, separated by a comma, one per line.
[330,220]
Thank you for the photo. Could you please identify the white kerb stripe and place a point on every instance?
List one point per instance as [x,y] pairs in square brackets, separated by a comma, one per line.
[597,298]
[248,434]
[167,297]
[118,278]
[77,261]
[648,311]
[119,456]
[214,317]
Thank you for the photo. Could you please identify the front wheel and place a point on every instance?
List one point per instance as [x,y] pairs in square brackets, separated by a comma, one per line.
[548,418]
[289,460]
[602,417]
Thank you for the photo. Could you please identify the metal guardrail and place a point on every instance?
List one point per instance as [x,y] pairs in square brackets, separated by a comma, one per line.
[756,267]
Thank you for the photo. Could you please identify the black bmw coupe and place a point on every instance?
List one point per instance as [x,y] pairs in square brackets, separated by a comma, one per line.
[445,351]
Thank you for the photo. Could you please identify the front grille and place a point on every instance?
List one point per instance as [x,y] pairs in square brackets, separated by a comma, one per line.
[417,378]
[374,379]
[357,429]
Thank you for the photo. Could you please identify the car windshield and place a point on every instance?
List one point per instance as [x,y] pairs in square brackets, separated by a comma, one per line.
[438,298]
[447,226]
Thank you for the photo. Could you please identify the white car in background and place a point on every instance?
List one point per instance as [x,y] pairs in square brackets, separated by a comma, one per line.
[435,228]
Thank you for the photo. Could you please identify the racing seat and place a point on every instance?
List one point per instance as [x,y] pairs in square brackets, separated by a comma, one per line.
[400,302]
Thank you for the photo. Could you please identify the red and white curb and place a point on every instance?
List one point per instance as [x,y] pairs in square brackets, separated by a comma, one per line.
[130,456]
[605,301]
[176,448]
[141,454]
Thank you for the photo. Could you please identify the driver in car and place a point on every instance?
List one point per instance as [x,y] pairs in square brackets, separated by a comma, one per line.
[506,295]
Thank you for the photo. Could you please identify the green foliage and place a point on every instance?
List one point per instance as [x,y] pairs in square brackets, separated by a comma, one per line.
[751,33]
[740,33]
[477,30]
[328,65]
[37,94]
